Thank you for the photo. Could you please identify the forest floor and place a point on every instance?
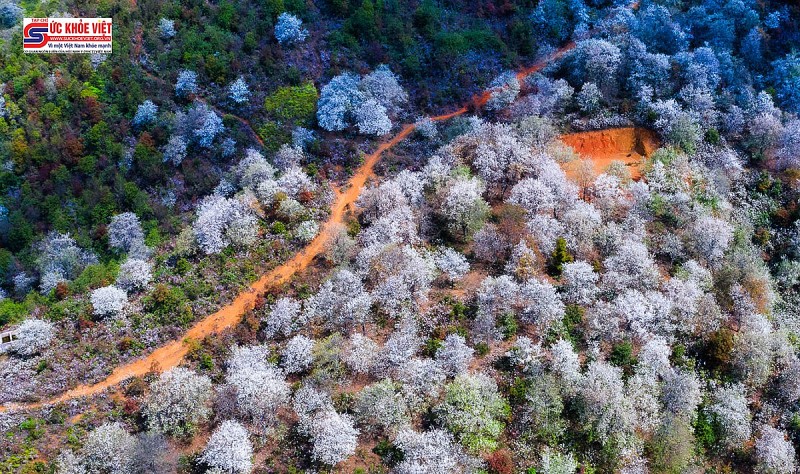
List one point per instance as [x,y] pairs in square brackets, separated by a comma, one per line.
[605,146]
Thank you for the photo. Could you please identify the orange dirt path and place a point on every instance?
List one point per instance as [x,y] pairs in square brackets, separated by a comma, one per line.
[627,144]
[171,354]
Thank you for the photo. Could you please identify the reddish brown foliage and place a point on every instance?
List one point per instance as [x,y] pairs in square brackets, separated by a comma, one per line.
[500,462]
[62,290]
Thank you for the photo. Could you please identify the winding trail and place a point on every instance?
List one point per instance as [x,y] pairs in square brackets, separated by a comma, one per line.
[171,354]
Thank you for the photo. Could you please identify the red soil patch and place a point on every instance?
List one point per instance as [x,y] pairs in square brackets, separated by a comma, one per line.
[628,145]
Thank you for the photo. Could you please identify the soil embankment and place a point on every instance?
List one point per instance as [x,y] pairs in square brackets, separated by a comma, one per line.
[629,145]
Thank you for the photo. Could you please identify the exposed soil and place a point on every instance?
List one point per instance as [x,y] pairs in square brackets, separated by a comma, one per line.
[171,354]
[630,145]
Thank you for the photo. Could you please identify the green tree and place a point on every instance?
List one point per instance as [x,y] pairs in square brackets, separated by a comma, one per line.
[559,257]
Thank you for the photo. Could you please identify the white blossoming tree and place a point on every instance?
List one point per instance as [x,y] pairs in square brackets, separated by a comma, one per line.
[134,274]
[178,402]
[108,301]
[229,449]
[297,355]
[33,336]
[289,29]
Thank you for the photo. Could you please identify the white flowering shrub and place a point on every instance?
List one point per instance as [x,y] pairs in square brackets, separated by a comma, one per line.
[202,124]
[10,14]
[125,233]
[145,113]
[774,453]
[729,409]
[451,263]
[238,91]
[68,463]
[474,411]
[579,283]
[422,379]
[565,364]
[555,462]
[306,231]
[341,301]
[333,435]
[384,86]
[229,449]
[379,407]
[427,128]
[454,355]
[504,90]
[33,336]
[222,222]
[297,355]
[284,318]
[604,404]
[302,137]
[711,237]
[526,355]
[134,274]
[463,206]
[108,449]
[372,118]
[175,150]
[365,102]
[289,29]
[337,102]
[108,301]
[542,304]
[294,181]
[186,83]
[334,438]
[178,402]
[260,386]
[433,452]
[60,260]
[166,28]
[362,354]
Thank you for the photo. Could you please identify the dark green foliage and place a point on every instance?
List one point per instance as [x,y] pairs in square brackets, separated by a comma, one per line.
[718,351]
[704,431]
[559,257]
[570,327]
[508,325]
[94,276]
[481,349]
[712,136]
[389,453]
[431,346]
[168,305]
[622,356]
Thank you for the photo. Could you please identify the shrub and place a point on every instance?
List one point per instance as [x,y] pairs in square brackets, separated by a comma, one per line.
[108,301]
[474,411]
[186,83]
[293,103]
[33,336]
[289,29]
[238,91]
